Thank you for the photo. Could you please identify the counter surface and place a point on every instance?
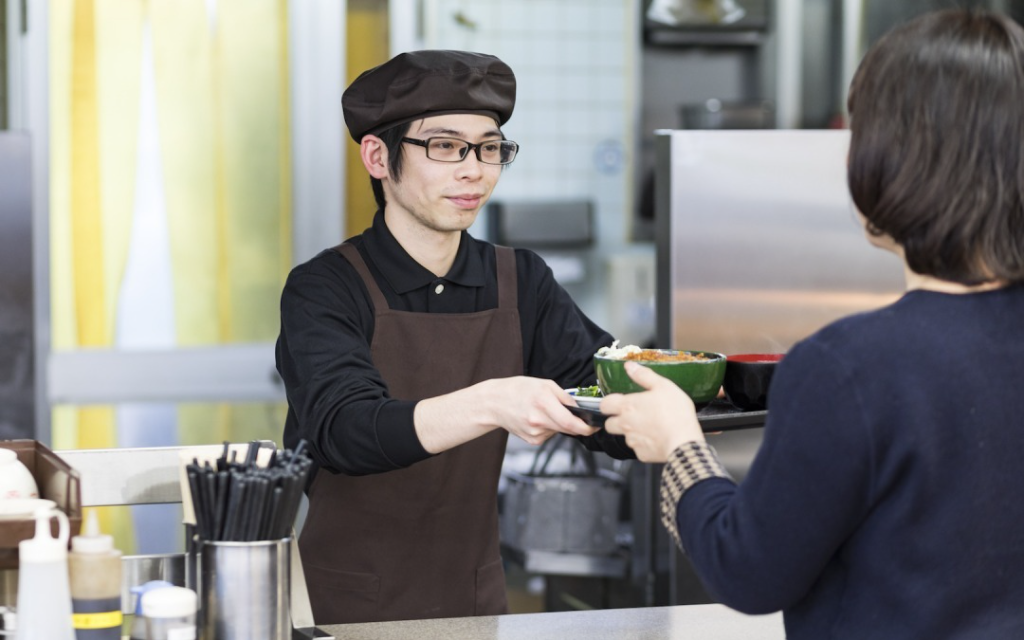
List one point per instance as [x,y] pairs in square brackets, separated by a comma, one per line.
[704,622]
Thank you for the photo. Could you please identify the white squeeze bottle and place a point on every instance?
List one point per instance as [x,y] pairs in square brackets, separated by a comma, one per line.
[44,596]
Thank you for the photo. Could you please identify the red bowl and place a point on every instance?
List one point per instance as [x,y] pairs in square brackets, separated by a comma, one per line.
[747,378]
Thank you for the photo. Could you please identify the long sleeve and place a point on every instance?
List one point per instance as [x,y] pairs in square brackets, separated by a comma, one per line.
[761,546]
[877,505]
[337,399]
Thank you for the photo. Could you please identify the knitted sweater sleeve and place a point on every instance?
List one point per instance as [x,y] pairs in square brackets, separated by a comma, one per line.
[760,546]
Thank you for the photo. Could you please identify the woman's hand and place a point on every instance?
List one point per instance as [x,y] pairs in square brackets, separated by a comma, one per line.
[656,421]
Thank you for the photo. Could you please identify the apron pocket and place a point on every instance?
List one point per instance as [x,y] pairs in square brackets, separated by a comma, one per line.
[341,597]
[490,590]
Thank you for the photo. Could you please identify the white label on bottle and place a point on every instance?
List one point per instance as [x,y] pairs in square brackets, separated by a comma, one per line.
[185,633]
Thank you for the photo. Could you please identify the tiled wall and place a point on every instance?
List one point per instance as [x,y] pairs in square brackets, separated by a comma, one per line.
[574,62]
[577,69]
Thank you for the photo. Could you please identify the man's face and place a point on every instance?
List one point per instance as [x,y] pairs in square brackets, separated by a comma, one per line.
[443,196]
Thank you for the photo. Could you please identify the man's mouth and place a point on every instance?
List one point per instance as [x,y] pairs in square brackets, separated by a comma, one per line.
[466,200]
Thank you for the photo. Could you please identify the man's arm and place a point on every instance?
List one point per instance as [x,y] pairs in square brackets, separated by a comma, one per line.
[531,408]
[338,401]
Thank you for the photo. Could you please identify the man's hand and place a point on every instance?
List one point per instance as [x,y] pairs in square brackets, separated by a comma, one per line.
[530,408]
[534,409]
[656,421]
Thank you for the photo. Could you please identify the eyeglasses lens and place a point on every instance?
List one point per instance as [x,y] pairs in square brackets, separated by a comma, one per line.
[454,150]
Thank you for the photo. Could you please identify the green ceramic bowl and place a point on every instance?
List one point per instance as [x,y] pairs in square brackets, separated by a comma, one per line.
[700,379]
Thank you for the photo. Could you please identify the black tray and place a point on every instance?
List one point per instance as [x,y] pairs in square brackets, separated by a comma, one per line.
[717,415]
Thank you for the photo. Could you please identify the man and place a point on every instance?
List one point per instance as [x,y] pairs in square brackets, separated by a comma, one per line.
[411,351]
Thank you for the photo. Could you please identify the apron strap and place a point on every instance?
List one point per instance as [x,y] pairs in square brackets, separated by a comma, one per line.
[508,289]
[351,254]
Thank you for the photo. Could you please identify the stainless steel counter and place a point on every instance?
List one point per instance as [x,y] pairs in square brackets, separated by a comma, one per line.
[703,622]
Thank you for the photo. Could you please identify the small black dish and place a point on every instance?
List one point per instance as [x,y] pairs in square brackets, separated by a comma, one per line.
[593,417]
[747,379]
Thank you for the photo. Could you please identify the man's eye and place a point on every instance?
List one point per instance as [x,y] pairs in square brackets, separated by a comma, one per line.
[444,144]
[491,147]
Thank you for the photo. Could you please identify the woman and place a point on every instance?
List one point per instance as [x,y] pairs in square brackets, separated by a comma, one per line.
[882,502]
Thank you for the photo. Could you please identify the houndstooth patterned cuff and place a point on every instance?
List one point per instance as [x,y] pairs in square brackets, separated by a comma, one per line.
[688,465]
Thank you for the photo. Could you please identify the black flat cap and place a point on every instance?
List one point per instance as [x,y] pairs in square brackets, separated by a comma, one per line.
[420,84]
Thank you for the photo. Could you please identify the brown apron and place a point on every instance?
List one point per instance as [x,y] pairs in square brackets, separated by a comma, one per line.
[419,542]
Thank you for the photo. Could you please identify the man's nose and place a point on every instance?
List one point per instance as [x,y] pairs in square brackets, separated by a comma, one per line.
[470,165]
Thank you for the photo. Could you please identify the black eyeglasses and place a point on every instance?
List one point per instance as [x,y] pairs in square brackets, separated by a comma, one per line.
[455,150]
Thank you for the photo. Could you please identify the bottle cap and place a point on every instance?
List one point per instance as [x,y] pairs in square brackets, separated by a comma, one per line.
[143,588]
[169,602]
[8,620]
[44,547]
[91,540]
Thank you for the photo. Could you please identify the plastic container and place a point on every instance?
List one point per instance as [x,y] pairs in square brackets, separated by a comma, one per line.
[138,629]
[44,595]
[94,566]
[16,480]
[170,613]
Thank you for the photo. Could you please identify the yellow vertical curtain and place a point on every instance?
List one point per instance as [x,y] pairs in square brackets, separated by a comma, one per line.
[222,103]
[366,37]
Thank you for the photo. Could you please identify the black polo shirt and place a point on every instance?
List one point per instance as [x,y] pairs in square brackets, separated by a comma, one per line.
[337,400]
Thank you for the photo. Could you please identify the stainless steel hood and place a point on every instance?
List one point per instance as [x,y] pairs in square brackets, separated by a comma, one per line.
[758,241]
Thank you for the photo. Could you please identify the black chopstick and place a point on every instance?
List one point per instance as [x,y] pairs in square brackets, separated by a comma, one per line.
[240,501]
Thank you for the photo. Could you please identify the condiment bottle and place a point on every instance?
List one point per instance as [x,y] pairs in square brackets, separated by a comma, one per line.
[95,568]
[170,613]
[44,596]
[138,630]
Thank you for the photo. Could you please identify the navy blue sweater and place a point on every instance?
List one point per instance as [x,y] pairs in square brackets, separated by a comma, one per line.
[884,500]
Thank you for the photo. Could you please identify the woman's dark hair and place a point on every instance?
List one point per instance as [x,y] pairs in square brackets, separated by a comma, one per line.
[937,144]
[392,139]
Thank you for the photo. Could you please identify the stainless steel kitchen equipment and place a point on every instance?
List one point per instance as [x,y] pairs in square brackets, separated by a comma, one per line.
[667,21]
[715,114]
[758,241]
[758,246]
[541,224]
[244,592]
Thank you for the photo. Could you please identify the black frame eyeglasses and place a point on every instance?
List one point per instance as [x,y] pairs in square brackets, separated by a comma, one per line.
[440,149]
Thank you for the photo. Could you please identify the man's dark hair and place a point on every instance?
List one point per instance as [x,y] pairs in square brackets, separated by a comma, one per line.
[937,144]
[392,139]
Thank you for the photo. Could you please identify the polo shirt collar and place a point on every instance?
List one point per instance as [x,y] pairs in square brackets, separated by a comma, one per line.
[405,274]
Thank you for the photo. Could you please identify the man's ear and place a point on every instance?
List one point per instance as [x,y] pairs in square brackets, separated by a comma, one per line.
[374,154]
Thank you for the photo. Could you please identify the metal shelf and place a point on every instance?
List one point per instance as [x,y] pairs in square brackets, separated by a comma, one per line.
[697,37]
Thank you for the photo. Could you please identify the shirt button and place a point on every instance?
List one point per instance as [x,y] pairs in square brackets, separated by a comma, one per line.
[438,289]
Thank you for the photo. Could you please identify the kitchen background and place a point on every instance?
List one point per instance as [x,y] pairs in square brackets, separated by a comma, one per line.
[163,164]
